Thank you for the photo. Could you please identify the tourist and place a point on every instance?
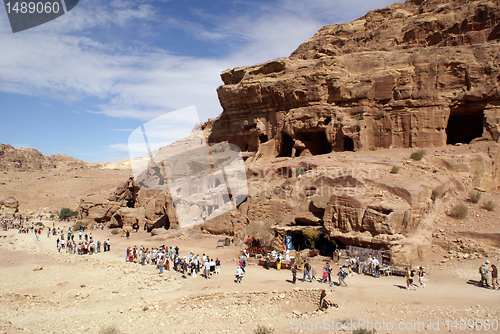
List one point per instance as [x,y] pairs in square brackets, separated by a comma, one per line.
[217,266]
[294,273]
[207,268]
[313,273]
[485,273]
[375,266]
[409,279]
[307,267]
[421,276]
[278,262]
[287,255]
[342,275]
[243,263]
[239,275]
[329,272]
[494,277]
[324,278]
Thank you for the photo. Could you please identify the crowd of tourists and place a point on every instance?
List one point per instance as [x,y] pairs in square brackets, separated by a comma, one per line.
[85,244]
[168,257]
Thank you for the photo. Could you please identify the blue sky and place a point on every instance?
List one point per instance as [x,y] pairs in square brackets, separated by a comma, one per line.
[80,84]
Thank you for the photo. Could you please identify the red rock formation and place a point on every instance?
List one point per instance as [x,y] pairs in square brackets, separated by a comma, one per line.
[414,74]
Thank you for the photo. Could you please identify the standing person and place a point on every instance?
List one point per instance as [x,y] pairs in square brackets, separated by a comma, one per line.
[109,244]
[287,255]
[342,275]
[161,264]
[494,277]
[329,272]
[278,262]
[409,279]
[375,265]
[307,267]
[485,273]
[421,276]
[249,242]
[294,273]
[217,266]
[207,268]
[243,263]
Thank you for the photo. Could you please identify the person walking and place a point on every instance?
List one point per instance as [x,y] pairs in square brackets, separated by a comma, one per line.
[342,275]
[485,273]
[307,267]
[421,276]
[409,279]
[494,277]
[313,273]
[294,273]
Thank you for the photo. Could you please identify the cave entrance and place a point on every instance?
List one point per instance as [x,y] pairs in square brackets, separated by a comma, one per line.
[315,141]
[162,222]
[324,244]
[263,139]
[348,144]
[464,126]
[286,146]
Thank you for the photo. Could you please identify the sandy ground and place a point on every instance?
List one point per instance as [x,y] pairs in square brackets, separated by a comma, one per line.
[43,291]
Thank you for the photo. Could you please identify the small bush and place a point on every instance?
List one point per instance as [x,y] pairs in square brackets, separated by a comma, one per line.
[363,331]
[311,235]
[380,113]
[263,330]
[109,330]
[115,231]
[418,155]
[300,170]
[436,193]
[458,211]
[395,170]
[489,205]
[474,196]
[79,225]
[372,148]
[66,213]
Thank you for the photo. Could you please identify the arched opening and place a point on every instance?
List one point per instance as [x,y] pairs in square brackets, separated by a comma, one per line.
[348,144]
[315,141]
[286,146]
[464,126]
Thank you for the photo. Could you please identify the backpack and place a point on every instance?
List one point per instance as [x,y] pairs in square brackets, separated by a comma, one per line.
[308,266]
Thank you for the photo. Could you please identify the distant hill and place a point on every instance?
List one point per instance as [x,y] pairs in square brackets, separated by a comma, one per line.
[29,159]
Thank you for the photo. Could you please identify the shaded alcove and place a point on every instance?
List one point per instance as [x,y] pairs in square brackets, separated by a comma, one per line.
[324,244]
[464,126]
[286,146]
[315,141]
[263,139]
[348,144]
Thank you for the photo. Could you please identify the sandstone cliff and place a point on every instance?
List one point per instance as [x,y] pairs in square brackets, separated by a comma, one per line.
[414,74]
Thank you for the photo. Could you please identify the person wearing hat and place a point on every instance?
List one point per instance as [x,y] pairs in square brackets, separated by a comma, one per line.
[484,270]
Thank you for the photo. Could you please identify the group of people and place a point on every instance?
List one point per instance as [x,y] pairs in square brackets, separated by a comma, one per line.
[165,257]
[86,242]
[410,274]
[489,276]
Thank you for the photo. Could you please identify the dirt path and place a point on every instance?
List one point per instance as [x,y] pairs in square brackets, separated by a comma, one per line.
[43,291]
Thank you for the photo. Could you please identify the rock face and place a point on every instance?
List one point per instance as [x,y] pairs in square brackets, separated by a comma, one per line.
[8,206]
[414,74]
[28,159]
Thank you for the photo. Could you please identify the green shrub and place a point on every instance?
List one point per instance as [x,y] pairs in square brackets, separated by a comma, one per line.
[363,331]
[418,155]
[79,225]
[380,113]
[311,235]
[300,170]
[458,211]
[66,213]
[474,196]
[263,330]
[395,170]
[489,205]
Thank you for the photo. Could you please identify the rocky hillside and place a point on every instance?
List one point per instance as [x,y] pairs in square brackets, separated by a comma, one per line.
[414,74]
[28,159]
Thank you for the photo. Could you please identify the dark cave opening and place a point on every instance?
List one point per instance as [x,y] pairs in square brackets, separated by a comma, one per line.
[315,141]
[463,127]
[348,144]
[286,146]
